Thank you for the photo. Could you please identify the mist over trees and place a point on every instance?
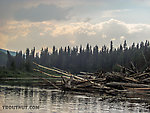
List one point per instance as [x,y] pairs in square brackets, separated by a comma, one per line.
[89,59]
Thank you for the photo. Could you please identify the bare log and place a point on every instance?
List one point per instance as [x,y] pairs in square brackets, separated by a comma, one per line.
[55,86]
[131,85]
[126,69]
[143,75]
[133,67]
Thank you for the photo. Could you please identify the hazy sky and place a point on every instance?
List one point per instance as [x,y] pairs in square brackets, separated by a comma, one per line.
[44,23]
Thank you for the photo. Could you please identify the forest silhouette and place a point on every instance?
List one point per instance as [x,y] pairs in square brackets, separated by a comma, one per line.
[89,59]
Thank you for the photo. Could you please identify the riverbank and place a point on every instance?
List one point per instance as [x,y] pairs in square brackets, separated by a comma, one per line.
[23,78]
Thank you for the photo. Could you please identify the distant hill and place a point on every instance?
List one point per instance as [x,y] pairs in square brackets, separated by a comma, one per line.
[11,52]
[3,58]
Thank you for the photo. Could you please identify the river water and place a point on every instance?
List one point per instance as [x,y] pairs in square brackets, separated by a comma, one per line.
[35,100]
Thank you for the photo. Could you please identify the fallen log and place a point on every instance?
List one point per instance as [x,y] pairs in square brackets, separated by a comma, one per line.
[118,77]
[51,69]
[146,80]
[68,75]
[133,67]
[131,85]
[126,69]
[143,75]
[113,83]
[55,86]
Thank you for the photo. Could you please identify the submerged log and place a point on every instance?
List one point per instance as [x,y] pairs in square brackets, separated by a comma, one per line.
[55,86]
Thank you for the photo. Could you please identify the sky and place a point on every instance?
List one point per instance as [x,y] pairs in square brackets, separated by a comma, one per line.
[44,23]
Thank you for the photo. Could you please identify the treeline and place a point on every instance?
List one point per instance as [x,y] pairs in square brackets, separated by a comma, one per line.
[89,59]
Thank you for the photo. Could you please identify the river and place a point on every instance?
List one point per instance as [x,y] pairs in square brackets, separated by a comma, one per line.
[14,99]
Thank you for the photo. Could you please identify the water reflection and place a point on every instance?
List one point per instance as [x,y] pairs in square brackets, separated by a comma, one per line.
[54,101]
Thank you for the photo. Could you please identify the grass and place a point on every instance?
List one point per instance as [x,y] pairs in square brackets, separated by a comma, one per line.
[22,78]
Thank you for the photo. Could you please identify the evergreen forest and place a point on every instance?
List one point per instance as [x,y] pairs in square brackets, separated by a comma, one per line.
[88,59]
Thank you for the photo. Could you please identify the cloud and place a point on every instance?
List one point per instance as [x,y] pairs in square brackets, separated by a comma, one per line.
[13,30]
[42,13]
[28,23]
[72,42]
[114,28]
[11,9]
[104,32]
[85,10]
[3,40]
[101,33]
[23,34]
[113,13]
[122,38]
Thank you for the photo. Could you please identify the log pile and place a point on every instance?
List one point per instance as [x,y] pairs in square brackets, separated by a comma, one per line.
[112,83]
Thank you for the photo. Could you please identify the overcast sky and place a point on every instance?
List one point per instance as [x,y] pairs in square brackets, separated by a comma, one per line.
[44,23]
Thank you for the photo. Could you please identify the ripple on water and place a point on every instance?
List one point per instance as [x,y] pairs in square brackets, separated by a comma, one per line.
[55,101]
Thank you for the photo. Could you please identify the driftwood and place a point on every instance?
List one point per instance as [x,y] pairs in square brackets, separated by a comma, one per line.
[131,85]
[133,67]
[146,80]
[111,83]
[47,81]
[143,75]
[126,69]
[55,86]
[144,57]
